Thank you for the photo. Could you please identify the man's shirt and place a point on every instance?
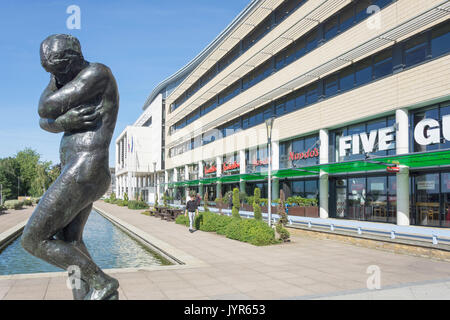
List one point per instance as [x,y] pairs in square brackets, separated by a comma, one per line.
[191,205]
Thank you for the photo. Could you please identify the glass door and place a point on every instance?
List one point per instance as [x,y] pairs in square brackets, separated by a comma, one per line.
[445,189]
[357,197]
[427,204]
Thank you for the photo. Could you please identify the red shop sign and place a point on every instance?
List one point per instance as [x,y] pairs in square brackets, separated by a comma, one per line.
[258,162]
[231,166]
[211,169]
[304,155]
[393,169]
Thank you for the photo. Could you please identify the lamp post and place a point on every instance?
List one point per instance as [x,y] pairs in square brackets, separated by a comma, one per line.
[269,126]
[154,180]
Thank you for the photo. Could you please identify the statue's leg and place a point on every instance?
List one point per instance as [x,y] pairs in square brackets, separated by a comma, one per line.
[73,233]
[57,209]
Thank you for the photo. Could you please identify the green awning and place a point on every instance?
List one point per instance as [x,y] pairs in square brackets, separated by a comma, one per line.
[192,183]
[230,178]
[208,180]
[415,160]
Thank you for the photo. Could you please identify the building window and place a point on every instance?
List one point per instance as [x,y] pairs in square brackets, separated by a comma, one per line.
[331,86]
[440,40]
[415,50]
[363,73]
[331,28]
[148,123]
[346,79]
[382,64]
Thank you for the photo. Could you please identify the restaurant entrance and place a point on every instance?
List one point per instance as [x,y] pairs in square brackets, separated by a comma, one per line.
[368,198]
[430,198]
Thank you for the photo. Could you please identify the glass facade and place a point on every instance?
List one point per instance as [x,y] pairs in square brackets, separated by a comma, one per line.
[364,197]
[332,27]
[231,164]
[257,159]
[435,135]
[355,141]
[430,198]
[357,74]
[299,152]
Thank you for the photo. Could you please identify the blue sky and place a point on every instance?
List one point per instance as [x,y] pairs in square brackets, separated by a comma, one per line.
[142,41]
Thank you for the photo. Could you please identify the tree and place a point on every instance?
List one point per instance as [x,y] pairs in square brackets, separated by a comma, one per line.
[28,161]
[256,204]
[9,171]
[236,204]
[205,201]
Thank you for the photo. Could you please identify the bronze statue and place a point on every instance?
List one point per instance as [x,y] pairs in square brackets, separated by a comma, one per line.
[81,100]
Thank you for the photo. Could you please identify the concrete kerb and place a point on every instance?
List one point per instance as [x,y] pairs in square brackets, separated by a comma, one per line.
[163,248]
[11,234]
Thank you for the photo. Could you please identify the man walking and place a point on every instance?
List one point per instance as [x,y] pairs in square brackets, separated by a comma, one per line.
[192,210]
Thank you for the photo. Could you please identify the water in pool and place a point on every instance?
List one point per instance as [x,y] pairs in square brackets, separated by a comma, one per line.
[109,246]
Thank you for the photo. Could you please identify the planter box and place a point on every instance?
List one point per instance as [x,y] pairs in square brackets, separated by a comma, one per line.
[273,210]
[311,212]
[246,207]
[296,211]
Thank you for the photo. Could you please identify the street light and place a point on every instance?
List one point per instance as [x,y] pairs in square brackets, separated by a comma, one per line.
[154,181]
[269,127]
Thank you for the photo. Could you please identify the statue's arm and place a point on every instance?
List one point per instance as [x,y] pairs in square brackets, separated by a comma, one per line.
[79,118]
[85,88]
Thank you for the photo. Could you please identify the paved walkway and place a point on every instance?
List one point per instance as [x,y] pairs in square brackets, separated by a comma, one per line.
[303,269]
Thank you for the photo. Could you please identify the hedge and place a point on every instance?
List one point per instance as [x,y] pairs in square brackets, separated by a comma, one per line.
[13,204]
[247,230]
[133,204]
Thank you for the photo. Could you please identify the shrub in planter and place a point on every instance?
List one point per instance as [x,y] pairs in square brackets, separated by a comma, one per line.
[182,219]
[256,204]
[112,197]
[283,233]
[125,197]
[236,204]
[133,204]
[13,204]
[27,202]
[251,231]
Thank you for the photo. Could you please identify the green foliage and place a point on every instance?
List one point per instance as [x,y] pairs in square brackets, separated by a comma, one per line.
[282,232]
[282,209]
[107,200]
[156,200]
[27,173]
[247,230]
[13,204]
[112,197]
[27,202]
[250,230]
[302,202]
[2,208]
[205,201]
[121,203]
[165,199]
[35,200]
[257,212]
[134,204]
[182,219]
[125,197]
[236,204]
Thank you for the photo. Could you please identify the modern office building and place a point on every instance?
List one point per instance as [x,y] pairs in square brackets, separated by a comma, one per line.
[360,92]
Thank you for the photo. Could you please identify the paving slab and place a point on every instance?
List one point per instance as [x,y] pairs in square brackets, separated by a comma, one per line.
[220,268]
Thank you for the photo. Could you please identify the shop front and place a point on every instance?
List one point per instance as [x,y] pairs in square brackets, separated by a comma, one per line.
[208,183]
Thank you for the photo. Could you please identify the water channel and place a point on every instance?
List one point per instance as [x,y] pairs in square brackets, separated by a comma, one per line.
[109,246]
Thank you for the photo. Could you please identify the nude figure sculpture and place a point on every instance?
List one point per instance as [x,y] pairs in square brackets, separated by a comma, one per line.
[82,101]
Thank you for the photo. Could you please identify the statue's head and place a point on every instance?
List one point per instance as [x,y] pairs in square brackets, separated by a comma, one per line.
[59,52]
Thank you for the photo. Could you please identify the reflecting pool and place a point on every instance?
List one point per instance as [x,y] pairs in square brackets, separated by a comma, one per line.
[109,246]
